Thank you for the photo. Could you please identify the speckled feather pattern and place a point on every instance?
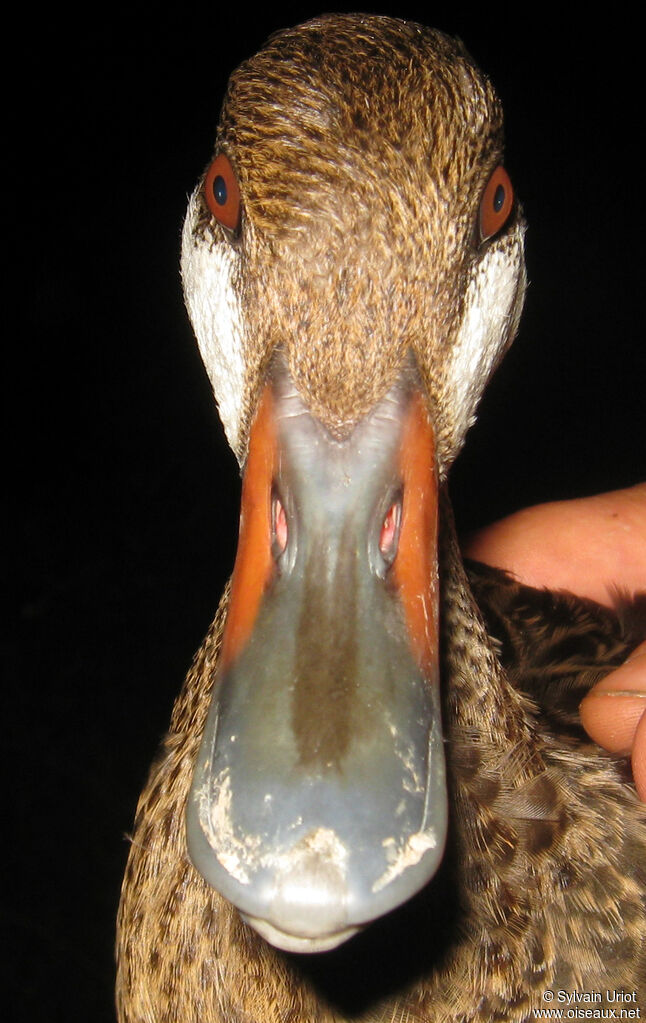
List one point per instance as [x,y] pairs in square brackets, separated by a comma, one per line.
[362,146]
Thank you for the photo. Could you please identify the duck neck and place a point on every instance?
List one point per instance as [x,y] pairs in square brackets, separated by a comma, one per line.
[498,777]
[484,714]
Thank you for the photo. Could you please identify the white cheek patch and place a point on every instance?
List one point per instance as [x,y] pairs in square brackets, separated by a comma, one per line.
[491,309]
[214,308]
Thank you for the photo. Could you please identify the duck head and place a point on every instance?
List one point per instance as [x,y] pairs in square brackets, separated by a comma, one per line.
[353,268]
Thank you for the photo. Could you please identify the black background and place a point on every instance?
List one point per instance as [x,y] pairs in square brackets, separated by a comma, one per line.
[126,492]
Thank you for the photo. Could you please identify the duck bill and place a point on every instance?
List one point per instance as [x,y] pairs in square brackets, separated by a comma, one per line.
[318,800]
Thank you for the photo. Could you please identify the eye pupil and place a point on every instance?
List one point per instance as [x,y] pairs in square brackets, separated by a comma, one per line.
[220,190]
[499,198]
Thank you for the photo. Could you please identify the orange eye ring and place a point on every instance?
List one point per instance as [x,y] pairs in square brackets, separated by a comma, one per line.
[222,193]
[496,204]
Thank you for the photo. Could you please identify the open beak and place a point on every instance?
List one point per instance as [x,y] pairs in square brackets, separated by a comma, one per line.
[318,801]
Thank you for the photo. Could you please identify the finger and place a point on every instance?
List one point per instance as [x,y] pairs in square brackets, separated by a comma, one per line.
[611,711]
[614,713]
[587,546]
[639,758]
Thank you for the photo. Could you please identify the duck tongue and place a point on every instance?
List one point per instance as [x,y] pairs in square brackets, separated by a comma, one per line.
[318,801]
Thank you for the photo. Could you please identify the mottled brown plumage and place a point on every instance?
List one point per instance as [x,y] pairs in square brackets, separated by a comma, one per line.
[543,882]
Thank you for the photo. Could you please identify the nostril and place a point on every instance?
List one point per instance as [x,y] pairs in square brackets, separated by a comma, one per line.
[278,527]
[389,536]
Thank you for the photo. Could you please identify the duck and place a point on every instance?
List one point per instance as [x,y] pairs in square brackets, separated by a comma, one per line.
[375,800]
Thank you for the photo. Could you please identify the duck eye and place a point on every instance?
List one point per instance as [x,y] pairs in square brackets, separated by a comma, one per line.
[222,193]
[496,204]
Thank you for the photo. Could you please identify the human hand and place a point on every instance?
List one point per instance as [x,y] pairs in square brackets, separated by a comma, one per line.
[587,546]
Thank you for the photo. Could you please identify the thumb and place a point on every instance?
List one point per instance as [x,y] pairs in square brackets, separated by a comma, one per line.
[614,713]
